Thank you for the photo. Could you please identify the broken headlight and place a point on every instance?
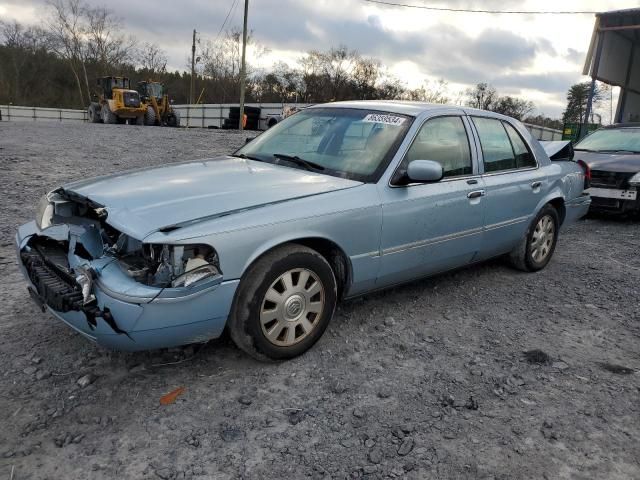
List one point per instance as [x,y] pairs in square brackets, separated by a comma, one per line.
[167,265]
[44,212]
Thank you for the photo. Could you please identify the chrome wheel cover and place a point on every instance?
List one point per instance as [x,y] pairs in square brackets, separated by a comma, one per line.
[292,307]
[542,240]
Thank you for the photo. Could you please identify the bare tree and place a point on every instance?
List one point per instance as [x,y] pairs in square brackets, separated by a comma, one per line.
[481,96]
[431,92]
[152,58]
[106,46]
[67,30]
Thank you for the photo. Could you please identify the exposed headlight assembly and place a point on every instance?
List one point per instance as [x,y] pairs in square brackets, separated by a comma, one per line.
[197,269]
[635,180]
[44,212]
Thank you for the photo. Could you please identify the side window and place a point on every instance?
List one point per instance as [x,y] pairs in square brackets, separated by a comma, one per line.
[443,140]
[524,158]
[496,146]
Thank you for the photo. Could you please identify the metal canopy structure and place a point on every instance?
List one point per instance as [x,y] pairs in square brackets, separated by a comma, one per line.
[614,58]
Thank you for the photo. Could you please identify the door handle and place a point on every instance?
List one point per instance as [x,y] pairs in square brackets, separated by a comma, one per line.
[535,185]
[472,181]
[476,194]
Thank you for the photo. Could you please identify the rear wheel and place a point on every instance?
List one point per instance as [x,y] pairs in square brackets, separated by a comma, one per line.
[150,116]
[139,120]
[108,116]
[536,249]
[174,119]
[93,113]
[284,303]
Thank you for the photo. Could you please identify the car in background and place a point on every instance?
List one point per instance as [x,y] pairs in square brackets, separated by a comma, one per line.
[613,156]
[336,201]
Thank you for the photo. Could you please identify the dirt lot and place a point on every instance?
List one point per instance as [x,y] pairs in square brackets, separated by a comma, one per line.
[423,381]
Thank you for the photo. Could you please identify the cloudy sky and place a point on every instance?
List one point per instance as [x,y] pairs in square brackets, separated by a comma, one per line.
[532,56]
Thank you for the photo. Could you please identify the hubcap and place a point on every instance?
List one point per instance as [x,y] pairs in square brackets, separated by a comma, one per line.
[292,307]
[543,237]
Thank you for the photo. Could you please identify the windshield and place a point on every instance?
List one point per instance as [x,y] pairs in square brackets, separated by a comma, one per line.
[155,89]
[612,140]
[351,143]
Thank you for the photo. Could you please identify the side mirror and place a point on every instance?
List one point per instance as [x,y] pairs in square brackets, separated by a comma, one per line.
[424,171]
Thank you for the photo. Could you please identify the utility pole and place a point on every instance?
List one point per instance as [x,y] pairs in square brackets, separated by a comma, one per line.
[193,74]
[193,66]
[243,68]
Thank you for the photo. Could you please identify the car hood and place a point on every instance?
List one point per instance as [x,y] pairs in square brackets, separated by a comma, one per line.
[165,198]
[610,162]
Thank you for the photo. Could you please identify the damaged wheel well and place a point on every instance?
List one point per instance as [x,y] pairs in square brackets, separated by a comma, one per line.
[337,258]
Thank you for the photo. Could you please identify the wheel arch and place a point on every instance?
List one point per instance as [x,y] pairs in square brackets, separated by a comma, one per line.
[330,250]
[556,199]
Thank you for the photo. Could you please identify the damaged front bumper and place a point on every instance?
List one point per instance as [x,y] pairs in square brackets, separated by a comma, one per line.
[124,314]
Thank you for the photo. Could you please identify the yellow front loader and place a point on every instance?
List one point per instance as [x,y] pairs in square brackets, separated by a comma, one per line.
[159,110]
[115,102]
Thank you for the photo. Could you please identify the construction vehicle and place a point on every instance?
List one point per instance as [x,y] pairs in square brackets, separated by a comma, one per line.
[159,110]
[116,103]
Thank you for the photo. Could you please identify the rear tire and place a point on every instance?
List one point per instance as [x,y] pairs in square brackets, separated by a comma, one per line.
[535,250]
[174,119]
[139,120]
[150,116]
[108,116]
[284,303]
[93,113]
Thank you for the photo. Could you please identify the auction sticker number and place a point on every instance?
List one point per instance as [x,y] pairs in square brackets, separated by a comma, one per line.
[385,119]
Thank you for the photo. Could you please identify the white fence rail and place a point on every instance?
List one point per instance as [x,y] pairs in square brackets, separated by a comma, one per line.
[14,113]
[208,115]
[544,133]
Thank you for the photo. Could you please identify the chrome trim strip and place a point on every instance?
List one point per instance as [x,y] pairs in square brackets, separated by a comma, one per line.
[431,241]
[507,223]
[375,253]
[453,236]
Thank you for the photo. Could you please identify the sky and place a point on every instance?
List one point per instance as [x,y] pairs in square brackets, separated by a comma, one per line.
[531,56]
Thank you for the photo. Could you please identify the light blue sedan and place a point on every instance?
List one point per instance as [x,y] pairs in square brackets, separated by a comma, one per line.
[336,201]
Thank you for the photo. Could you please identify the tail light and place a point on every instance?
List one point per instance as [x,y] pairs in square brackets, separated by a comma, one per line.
[587,173]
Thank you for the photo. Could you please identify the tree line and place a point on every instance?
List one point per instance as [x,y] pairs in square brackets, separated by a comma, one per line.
[56,63]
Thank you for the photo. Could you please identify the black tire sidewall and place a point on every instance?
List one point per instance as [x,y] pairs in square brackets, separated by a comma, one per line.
[532,265]
[255,293]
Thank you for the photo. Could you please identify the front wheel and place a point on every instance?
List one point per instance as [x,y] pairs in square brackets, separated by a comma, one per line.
[284,303]
[536,249]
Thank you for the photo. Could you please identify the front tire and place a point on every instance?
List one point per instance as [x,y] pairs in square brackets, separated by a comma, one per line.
[150,116]
[284,303]
[108,116]
[536,248]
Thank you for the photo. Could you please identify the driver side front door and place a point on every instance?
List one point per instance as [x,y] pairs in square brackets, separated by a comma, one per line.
[437,226]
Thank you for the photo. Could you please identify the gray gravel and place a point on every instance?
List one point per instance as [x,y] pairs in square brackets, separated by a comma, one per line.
[424,381]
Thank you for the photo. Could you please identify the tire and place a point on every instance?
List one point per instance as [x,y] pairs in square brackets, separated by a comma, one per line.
[266,332]
[139,120]
[93,113]
[108,116]
[536,248]
[150,116]
[272,122]
[174,119]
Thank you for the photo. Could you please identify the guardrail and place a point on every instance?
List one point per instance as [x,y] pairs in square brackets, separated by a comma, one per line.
[207,115]
[544,133]
[16,113]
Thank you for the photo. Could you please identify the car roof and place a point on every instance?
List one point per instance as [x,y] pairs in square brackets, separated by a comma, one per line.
[403,107]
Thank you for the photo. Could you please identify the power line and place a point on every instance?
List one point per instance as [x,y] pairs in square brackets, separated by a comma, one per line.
[466,10]
[225,20]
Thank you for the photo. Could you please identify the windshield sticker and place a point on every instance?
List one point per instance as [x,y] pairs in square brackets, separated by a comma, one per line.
[386,119]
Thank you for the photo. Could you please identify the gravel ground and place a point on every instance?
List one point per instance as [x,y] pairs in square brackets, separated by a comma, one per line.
[424,381]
